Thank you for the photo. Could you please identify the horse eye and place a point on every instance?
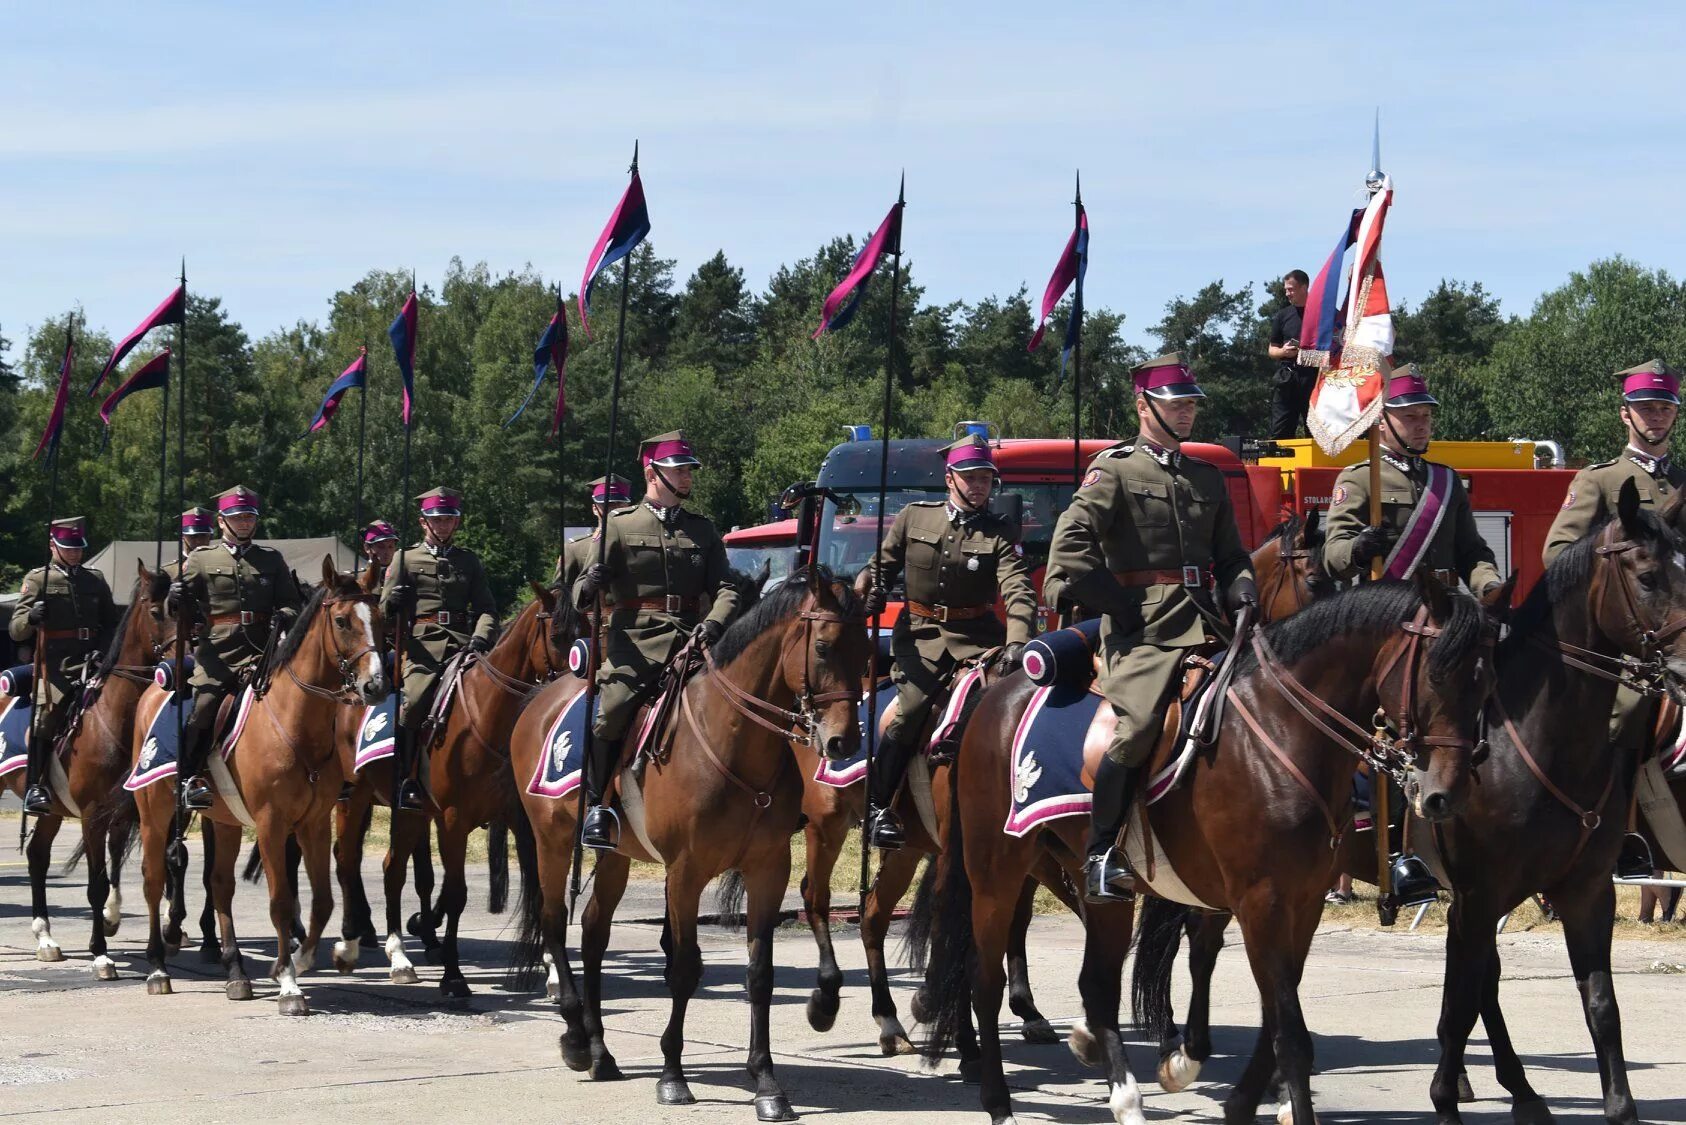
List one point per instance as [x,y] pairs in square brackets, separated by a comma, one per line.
[822,648]
[1648,579]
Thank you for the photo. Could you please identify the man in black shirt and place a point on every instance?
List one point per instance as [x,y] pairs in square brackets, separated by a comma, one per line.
[1291,396]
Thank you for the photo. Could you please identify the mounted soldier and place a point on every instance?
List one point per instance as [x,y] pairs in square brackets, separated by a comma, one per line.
[1650,407]
[66,611]
[659,562]
[380,543]
[956,556]
[241,593]
[198,528]
[1427,522]
[442,593]
[1148,535]
[608,494]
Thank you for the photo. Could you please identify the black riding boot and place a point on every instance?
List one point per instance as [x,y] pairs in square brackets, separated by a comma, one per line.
[1106,873]
[407,791]
[601,829]
[196,751]
[1413,883]
[889,766]
[1635,860]
[37,800]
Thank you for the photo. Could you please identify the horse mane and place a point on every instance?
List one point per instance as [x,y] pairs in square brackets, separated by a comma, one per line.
[1374,607]
[775,608]
[115,649]
[294,640]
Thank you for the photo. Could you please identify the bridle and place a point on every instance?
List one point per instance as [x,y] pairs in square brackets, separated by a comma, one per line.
[347,693]
[796,725]
[1288,571]
[1648,672]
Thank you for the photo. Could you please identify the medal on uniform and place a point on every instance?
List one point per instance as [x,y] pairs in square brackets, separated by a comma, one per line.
[972,563]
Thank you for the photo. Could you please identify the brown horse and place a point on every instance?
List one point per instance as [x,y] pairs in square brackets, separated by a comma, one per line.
[1251,829]
[282,779]
[722,793]
[1290,575]
[91,786]
[468,776]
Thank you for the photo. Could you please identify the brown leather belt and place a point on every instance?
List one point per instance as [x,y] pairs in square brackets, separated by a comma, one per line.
[67,634]
[1194,577]
[947,613]
[444,617]
[244,617]
[670,603]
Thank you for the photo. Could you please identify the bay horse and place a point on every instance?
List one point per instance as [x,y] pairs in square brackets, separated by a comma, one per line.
[723,793]
[286,776]
[1252,828]
[469,780]
[1290,575]
[94,772]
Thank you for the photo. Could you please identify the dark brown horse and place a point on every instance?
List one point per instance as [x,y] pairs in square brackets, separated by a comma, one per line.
[722,793]
[469,780]
[1251,829]
[89,787]
[282,779]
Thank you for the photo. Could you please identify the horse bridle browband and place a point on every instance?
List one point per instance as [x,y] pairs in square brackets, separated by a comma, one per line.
[347,694]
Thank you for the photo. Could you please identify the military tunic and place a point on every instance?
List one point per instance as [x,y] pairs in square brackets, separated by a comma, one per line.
[949,563]
[235,594]
[78,603]
[1457,547]
[1143,509]
[453,603]
[648,558]
[579,553]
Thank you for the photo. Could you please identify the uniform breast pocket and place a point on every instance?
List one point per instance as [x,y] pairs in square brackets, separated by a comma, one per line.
[1149,503]
[979,562]
[220,582]
[1646,497]
[644,562]
[924,550]
[684,554]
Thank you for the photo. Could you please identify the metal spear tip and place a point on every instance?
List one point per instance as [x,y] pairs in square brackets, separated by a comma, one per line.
[1376,180]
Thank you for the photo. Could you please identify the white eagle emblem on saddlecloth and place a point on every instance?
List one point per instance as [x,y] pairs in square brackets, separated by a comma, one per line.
[1025,777]
[377,723]
[149,752]
[559,752]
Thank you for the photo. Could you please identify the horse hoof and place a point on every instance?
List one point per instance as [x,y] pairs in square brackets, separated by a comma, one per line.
[1466,1093]
[455,988]
[49,953]
[892,1045]
[405,975]
[971,1071]
[294,1006]
[238,990]
[606,1069]
[413,925]
[1040,1032]
[773,1107]
[157,984]
[920,1007]
[1285,1115]
[576,1056]
[822,1014]
[210,953]
[1177,1071]
[676,1091]
[104,968]
[111,927]
[1083,1045]
[171,948]
[1531,1113]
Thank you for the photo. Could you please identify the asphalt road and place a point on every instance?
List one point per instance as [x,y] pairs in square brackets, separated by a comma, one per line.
[85,1050]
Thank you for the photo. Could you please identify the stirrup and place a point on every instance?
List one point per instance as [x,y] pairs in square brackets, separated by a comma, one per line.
[1635,860]
[1413,884]
[196,794]
[884,830]
[1107,878]
[601,830]
[346,789]
[37,801]
[410,796]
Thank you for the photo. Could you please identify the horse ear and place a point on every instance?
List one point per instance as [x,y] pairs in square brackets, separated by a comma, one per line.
[1435,594]
[544,594]
[1313,517]
[766,572]
[1627,507]
[330,575]
[140,570]
[1497,600]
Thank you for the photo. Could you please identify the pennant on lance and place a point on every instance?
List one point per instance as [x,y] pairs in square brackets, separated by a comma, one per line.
[172,311]
[839,308]
[55,421]
[1348,397]
[403,336]
[625,230]
[354,376]
[552,349]
[1073,266]
[155,373]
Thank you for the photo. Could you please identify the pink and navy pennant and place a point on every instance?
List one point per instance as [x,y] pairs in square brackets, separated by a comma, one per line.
[172,311]
[1073,266]
[354,376]
[155,373]
[841,306]
[403,336]
[627,227]
[552,349]
[1318,341]
[55,421]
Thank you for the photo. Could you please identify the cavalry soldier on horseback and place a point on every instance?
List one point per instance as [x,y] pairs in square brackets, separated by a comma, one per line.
[1650,407]
[68,612]
[608,494]
[442,591]
[1147,534]
[956,555]
[380,543]
[659,562]
[198,528]
[242,592]
[1427,521]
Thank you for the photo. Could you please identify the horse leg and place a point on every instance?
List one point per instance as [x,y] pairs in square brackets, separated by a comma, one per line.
[895,873]
[210,948]
[99,894]
[1506,1064]
[553,871]
[155,839]
[766,885]
[608,884]
[40,856]
[356,923]
[283,910]
[316,849]
[222,843]
[1033,1026]
[1278,932]
[823,838]
[116,845]
[684,973]
[1179,1068]
[405,825]
[453,897]
[1587,914]
[424,923]
[175,863]
[1470,962]
[1106,943]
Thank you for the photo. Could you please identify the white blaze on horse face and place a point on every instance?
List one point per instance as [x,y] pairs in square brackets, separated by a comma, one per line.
[372,657]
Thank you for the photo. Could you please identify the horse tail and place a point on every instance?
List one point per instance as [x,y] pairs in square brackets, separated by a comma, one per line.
[916,942]
[117,814]
[952,952]
[254,866]
[526,957]
[1159,933]
[729,899]
[497,866]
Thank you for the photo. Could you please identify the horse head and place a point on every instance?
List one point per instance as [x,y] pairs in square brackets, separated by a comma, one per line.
[822,659]
[1637,597]
[547,646]
[351,619]
[1288,567]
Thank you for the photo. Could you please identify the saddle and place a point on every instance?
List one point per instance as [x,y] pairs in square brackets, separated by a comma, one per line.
[439,711]
[653,721]
[1191,721]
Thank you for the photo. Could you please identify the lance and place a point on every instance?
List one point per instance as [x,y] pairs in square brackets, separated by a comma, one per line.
[177,851]
[877,554]
[357,509]
[401,762]
[602,554]
[1077,346]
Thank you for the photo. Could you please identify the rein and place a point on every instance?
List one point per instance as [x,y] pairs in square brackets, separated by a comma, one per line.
[797,725]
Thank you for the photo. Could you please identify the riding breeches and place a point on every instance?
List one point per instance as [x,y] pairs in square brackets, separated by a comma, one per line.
[1139,681]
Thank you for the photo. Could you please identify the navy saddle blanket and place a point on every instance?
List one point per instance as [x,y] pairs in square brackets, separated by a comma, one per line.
[558,772]
[160,750]
[14,734]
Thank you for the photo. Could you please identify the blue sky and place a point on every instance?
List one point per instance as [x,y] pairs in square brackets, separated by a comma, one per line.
[287,148]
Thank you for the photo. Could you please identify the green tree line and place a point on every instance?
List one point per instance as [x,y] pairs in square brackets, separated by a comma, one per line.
[738,371]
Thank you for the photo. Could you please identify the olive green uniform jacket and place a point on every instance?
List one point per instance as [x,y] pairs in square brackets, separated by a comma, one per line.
[1457,548]
[76,599]
[452,592]
[255,581]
